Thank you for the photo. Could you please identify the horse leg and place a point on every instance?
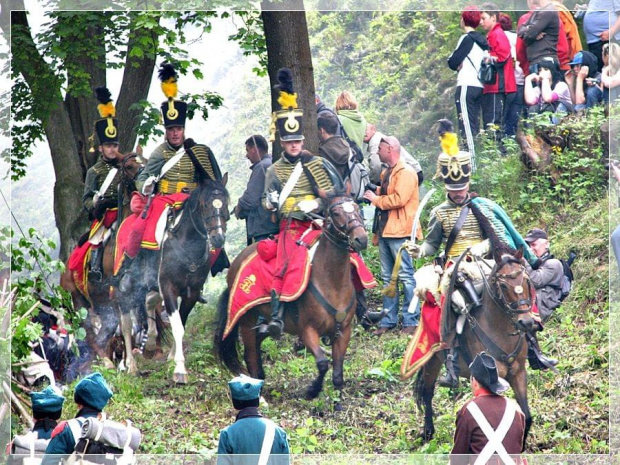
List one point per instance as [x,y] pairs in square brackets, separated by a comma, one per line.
[251,348]
[153,299]
[310,338]
[178,331]
[518,382]
[126,327]
[339,349]
[425,392]
[109,323]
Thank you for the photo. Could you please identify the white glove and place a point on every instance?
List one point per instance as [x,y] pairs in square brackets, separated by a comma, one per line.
[480,249]
[413,249]
[273,198]
[307,206]
[96,199]
[149,185]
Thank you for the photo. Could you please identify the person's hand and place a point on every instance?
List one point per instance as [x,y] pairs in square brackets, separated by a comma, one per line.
[615,170]
[236,210]
[273,198]
[541,35]
[480,249]
[370,196]
[149,185]
[307,206]
[583,72]
[605,36]
[414,250]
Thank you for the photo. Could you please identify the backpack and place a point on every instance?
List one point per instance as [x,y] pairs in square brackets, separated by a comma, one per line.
[567,279]
[30,448]
[104,442]
[358,176]
[354,147]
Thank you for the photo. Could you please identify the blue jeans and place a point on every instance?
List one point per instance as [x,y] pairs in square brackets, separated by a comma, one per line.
[388,248]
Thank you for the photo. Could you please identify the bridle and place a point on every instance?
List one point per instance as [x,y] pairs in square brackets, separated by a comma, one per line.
[126,178]
[219,214]
[340,235]
[499,282]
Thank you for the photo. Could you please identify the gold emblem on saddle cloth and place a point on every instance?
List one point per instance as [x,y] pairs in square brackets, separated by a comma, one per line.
[248,283]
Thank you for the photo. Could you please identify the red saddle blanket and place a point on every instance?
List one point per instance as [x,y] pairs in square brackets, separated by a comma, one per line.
[253,283]
[80,257]
[136,232]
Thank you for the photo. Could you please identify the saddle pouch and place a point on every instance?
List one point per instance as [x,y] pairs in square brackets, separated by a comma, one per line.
[267,249]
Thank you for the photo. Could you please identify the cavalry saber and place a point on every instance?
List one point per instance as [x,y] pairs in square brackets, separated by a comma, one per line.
[390,289]
[290,184]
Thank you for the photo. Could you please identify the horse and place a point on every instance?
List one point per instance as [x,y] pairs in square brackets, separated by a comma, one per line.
[178,270]
[324,309]
[98,300]
[498,327]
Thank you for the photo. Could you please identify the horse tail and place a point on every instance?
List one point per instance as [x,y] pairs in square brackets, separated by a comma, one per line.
[226,349]
[163,331]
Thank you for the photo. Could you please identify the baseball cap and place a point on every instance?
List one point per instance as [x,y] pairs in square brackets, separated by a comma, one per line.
[535,234]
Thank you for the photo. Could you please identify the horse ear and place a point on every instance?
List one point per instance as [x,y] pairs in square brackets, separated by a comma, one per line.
[519,253]
[139,150]
[347,187]
[225,179]
[322,193]
[497,255]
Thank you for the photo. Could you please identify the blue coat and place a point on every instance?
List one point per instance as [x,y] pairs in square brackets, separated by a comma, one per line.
[245,436]
[63,442]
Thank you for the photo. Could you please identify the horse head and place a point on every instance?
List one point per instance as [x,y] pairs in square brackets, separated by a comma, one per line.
[343,219]
[130,166]
[211,203]
[513,289]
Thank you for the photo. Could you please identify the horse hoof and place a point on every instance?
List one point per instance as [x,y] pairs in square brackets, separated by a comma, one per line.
[312,393]
[180,378]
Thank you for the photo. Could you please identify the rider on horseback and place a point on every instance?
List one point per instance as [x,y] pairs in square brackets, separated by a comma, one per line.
[173,168]
[290,189]
[102,180]
[466,221]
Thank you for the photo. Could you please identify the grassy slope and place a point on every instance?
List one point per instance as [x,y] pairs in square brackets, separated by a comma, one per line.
[379,415]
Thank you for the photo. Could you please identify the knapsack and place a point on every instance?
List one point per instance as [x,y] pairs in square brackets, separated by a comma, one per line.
[358,175]
[30,448]
[105,442]
[567,279]
[354,147]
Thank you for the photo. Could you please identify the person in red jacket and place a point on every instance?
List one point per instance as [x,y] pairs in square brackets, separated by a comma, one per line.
[494,95]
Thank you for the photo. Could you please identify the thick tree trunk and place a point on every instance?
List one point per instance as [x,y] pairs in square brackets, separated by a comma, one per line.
[286,35]
[136,82]
[45,88]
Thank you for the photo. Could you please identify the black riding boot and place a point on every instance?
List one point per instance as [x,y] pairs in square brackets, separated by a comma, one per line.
[277,312]
[464,284]
[535,356]
[96,261]
[451,378]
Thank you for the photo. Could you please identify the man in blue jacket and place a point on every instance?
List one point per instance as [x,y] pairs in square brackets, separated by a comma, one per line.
[251,434]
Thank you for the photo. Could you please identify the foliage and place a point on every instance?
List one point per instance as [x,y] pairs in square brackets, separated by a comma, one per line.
[251,38]
[32,267]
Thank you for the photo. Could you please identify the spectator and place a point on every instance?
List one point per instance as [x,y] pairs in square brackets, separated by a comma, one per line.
[570,28]
[46,410]
[488,411]
[600,23]
[466,59]
[321,109]
[494,99]
[397,200]
[583,79]
[610,76]
[540,33]
[332,146]
[547,91]
[548,277]
[251,433]
[353,122]
[372,138]
[259,222]
[91,396]
[514,102]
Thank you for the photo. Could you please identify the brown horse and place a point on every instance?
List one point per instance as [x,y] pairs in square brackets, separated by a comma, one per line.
[325,309]
[499,328]
[178,271]
[98,300]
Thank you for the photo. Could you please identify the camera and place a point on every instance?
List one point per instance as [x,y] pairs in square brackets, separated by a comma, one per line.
[371,187]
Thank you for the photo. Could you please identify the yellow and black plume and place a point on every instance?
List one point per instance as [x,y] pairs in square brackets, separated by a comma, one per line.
[106,107]
[168,76]
[448,138]
[287,97]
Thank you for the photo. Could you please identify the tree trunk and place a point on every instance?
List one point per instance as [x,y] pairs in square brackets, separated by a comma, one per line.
[45,88]
[136,82]
[286,36]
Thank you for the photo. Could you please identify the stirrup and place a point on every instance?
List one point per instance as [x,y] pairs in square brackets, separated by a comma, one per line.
[448,381]
[275,328]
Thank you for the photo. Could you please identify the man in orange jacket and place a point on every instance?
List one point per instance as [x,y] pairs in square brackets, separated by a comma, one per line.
[397,201]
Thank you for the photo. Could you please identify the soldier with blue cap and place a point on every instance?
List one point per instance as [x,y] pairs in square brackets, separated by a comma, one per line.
[46,410]
[257,437]
[91,396]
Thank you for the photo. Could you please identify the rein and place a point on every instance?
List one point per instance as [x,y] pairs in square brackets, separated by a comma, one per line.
[340,236]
